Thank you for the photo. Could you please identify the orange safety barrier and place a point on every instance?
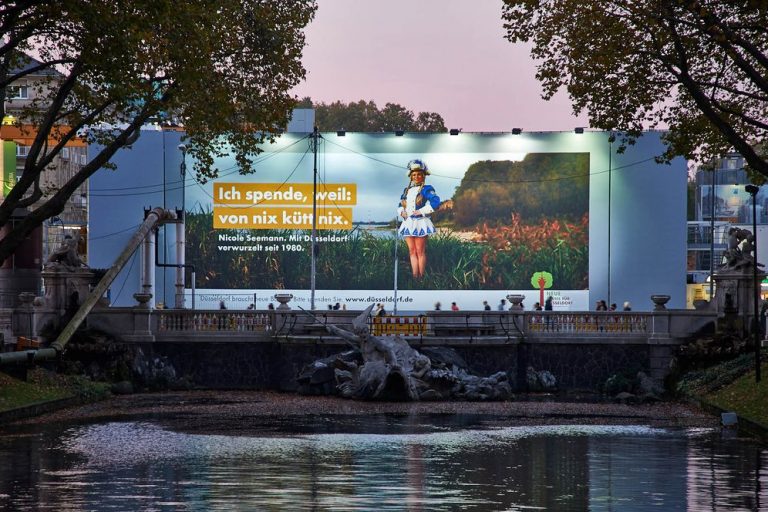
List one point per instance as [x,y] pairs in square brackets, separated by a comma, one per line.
[23,343]
[399,325]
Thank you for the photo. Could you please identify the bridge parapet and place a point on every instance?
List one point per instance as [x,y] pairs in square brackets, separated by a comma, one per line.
[591,322]
[667,327]
[213,321]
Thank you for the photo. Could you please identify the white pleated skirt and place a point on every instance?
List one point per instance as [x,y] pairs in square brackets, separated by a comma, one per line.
[416,226]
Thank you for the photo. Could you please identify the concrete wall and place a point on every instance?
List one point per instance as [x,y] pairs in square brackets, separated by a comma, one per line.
[271,365]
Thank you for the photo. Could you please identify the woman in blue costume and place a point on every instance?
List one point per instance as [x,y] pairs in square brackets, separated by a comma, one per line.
[417,202]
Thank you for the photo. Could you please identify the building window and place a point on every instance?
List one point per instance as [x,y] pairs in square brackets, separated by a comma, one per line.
[22,151]
[65,153]
[18,92]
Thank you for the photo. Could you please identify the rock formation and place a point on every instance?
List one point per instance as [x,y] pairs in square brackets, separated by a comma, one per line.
[388,368]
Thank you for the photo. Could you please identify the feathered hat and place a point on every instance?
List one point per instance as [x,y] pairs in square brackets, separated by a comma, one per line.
[417,165]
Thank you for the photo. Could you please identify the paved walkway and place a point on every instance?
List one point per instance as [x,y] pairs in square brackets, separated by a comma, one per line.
[238,411]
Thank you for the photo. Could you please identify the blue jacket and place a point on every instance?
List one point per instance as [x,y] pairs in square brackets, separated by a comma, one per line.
[426,195]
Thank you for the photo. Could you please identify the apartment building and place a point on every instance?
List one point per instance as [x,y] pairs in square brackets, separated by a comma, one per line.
[721,202]
[21,96]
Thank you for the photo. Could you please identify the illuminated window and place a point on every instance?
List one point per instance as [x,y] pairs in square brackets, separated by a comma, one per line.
[18,92]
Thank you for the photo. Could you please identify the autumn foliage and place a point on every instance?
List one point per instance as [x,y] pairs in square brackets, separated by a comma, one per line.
[558,246]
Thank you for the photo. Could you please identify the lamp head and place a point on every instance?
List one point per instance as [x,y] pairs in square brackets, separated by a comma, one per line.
[752,189]
[182,148]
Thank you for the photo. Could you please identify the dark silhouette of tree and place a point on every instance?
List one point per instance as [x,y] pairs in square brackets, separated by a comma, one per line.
[697,68]
[223,70]
[365,116]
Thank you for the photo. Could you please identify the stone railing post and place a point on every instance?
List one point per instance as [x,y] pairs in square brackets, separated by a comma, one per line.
[283,299]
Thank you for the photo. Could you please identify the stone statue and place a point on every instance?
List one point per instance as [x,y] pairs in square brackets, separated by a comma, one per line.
[388,368]
[66,255]
[740,255]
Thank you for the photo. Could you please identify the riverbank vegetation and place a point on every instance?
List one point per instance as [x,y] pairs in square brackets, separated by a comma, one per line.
[731,386]
[45,386]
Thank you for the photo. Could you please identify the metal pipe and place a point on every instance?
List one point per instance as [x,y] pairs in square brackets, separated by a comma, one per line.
[152,219]
[610,168]
[394,307]
[193,287]
[180,242]
[753,190]
[179,269]
[148,268]
[712,233]
[313,266]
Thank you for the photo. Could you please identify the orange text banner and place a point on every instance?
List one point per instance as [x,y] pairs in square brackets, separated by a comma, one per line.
[282,217]
[289,194]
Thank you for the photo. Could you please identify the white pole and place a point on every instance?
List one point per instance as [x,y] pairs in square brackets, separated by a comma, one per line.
[394,307]
[181,234]
[180,243]
[313,269]
[148,286]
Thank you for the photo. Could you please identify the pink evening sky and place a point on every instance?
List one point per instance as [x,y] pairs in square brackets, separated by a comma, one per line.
[444,56]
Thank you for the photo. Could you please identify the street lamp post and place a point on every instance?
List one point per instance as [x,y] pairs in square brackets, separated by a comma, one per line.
[313,264]
[611,136]
[753,190]
[712,233]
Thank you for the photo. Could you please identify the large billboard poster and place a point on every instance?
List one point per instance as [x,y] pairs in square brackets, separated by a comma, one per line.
[507,219]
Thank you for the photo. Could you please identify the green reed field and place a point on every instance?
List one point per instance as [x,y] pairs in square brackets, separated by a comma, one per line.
[499,258]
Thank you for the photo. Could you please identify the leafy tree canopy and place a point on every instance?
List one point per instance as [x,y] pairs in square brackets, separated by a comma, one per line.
[222,69]
[542,186]
[698,68]
[365,116]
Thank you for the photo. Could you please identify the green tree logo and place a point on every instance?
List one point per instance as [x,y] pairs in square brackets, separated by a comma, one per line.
[541,280]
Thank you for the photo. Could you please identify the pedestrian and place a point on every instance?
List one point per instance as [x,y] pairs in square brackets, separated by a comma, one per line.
[222,305]
[337,306]
[536,306]
[454,307]
[486,306]
[380,311]
[548,307]
[502,305]
[627,306]
[270,306]
[613,307]
[437,306]
[601,306]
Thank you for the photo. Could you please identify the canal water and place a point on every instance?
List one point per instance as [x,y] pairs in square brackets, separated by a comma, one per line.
[379,462]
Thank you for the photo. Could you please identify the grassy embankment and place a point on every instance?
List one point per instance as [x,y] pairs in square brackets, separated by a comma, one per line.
[42,386]
[731,386]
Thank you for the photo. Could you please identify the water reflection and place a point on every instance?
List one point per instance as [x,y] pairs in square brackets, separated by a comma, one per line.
[408,464]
